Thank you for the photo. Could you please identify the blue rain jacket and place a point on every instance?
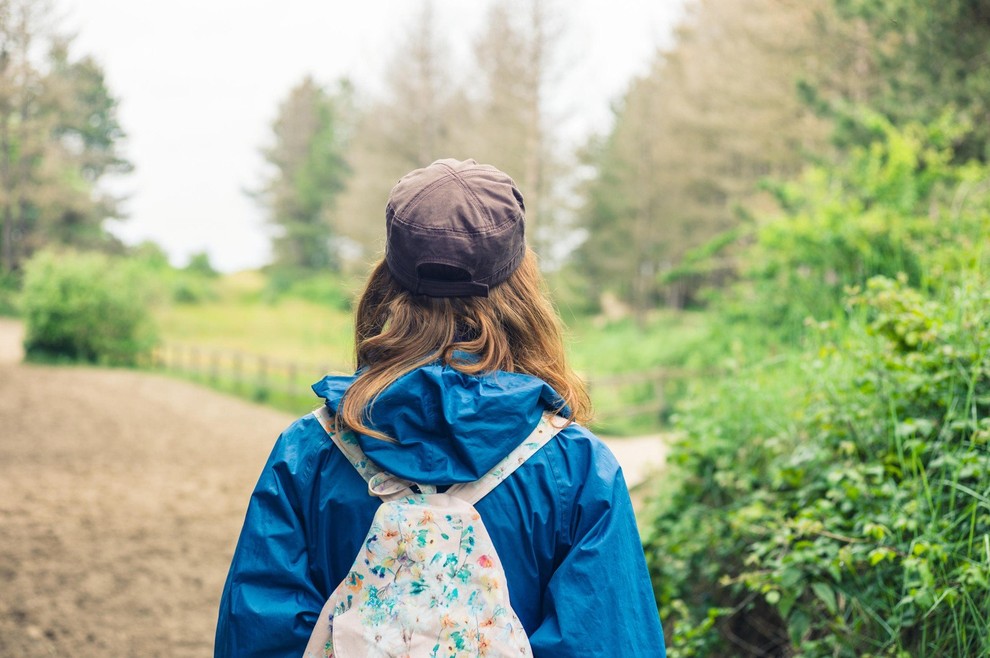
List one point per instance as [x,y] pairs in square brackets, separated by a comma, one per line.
[562,524]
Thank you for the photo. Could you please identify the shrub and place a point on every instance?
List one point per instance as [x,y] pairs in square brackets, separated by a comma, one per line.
[838,504]
[85,307]
[896,205]
[193,284]
[327,288]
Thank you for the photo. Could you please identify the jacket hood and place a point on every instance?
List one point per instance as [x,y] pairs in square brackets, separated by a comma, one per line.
[449,427]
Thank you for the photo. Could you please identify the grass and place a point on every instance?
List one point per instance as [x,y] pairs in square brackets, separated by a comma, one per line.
[668,338]
[287,329]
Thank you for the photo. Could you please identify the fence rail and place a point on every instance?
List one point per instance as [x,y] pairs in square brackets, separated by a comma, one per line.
[254,375]
[287,383]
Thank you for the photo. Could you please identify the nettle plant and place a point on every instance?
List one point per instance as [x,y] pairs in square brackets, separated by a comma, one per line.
[845,512]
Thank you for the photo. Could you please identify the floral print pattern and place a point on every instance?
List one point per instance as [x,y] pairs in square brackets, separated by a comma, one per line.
[427,582]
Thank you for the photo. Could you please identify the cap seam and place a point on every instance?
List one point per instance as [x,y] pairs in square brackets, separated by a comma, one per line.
[464,186]
[458,177]
[505,267]
[507,224]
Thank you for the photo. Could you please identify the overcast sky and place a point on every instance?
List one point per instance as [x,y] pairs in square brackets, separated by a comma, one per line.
[199,82]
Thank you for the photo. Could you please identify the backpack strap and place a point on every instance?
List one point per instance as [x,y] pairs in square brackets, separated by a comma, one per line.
[546,429]
[380,483]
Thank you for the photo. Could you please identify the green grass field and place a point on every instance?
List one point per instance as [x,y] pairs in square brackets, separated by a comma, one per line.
[240,318]
[316,336]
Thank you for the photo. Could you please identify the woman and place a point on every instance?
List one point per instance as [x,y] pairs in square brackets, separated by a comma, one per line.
[459,356]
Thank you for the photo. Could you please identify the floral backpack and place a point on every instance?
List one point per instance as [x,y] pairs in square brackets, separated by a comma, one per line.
[427,582]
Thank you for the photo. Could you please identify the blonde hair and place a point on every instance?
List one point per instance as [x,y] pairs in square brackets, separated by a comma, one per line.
[514,329]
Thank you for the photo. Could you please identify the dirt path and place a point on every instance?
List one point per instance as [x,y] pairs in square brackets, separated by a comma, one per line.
[121,496]
[11,337]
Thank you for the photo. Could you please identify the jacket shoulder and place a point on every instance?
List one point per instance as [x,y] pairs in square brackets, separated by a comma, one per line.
[301,444]
[581,448]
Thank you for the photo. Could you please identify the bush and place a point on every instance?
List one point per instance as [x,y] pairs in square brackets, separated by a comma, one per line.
[85,307]
[898,205]
[326,288]
[194,284]
[838,503]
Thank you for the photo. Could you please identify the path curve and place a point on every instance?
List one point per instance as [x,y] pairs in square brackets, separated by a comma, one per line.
[11,340]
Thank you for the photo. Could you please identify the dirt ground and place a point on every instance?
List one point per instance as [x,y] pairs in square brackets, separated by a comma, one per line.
[121,496]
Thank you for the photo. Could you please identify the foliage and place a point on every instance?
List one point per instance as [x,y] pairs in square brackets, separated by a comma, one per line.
[199,263]
[9,293]
[324,288]
[682,156]
[848,520]
[308,171]
[895,205]
[85,307]
[193,284]
[59,137]
[922,57]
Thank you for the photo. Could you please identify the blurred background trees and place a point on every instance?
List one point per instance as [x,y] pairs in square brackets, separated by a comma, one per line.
[308,172]
[647,213]
[59,136]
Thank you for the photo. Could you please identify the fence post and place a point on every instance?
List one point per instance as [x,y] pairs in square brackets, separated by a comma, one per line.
[214,367]
[292,379]
[238,371]
[261,389]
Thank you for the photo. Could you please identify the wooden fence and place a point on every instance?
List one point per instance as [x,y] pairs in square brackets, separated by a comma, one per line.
[255,376]
[286,384]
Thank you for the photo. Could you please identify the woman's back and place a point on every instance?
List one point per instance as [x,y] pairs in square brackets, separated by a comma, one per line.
[459,356]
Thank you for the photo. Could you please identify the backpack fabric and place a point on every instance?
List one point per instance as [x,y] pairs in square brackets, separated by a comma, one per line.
[427,582]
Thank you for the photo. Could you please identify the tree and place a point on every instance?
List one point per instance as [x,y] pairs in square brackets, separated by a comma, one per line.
[59,136]
[693,138]
[308,173]
[23,128]
[516,57]
[419,118]
[87,134]
[922,57]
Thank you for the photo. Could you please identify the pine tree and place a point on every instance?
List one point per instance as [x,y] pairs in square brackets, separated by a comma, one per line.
[59,136]
[308,173]
[516,58]
[920,58]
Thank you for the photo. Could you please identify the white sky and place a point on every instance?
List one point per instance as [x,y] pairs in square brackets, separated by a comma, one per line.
[199,82]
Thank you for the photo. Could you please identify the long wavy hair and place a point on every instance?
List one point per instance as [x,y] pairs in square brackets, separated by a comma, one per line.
[514,329]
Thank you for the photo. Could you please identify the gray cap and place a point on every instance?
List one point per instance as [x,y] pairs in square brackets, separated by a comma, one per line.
[454,229]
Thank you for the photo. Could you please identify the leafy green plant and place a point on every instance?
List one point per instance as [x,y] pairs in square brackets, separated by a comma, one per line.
[897,205]
[325,287]
[837,504]
[85,307]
